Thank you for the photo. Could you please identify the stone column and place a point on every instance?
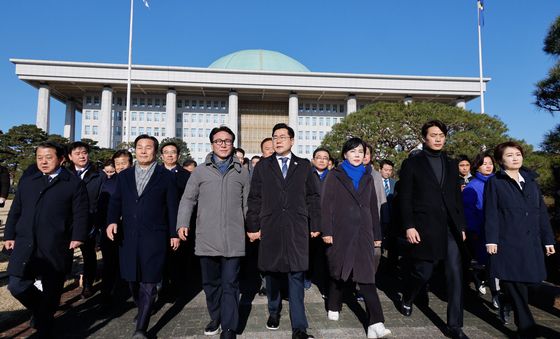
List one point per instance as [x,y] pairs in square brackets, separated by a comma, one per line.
[351,104]
[407,100]
[105,119]
[461,103]
[171,113]
[70,120]
[293,116]
[233,105]
[43,107]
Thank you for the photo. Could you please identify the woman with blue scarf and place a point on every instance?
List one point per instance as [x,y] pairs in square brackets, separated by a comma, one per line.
[473,203]
[352,232]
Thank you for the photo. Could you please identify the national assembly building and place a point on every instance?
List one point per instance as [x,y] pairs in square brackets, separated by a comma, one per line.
[249,91]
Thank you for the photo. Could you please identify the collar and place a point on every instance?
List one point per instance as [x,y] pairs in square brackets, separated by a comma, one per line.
[56,173]
[289,156]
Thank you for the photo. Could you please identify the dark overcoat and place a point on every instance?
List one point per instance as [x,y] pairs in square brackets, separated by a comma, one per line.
[517,221]
[4,182]
[285,211]
[181,178]
[93,179]
[148,222]
[431,207]
[351,217]
[44,218]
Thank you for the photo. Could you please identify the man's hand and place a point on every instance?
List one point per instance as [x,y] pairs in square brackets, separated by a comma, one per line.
[491,248]
[75,244]
[174,242]
[550,250]
[254,236]
[183,232]
[111,231]
[2,200]
[412,236]
[328,239]
[9,244]
[377,243]
[464,235]
[315,234]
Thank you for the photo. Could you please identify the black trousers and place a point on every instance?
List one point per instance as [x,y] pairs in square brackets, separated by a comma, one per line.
[43,304]
[110,274]
[90,260]
[421,272]
[517,293]
[274,283]
[318,271]
[144,295]
[220,281]
[368,291]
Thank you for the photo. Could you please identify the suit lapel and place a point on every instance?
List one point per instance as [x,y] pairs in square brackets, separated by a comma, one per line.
[347,183]
[294,161]
[131,179]
[153,179]
[275,167]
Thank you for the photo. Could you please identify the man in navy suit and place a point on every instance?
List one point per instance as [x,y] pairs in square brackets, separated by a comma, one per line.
[47,221]
[78,154]
[283,212]
[146,200]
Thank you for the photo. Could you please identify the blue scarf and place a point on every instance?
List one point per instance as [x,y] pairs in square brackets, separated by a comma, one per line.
[323,175]
[483,177]
[354,172]
[222,165]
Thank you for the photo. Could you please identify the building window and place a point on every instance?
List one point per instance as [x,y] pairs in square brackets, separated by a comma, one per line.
[141,117]
[163,116]
[148,116]
[178,131]
[307,121]
[307,106]
[207,118]
[200,117]
[149,102]
[133,117]
[321,135]
[86,130]
[88,100]
[215,118]
[178,117]
[163,131]
[200,133]
[307,135]
[156,116]
[156,131]
[157,102]
[321,107]
[193,132]
[299,136]
[341,110]
[300,149]
[179,103]
[314,106]
[314,121]
[328,107]
[193,105]
[133,131]
[216,105]
[117,130]
[163,102]
[208,104]
[300,108]
[134,102]
[314,135]
[140,130]
[96,100]
[142,103]
[335,108]
[187,104]
[88,115]
[300,120]
[94,130]
[124,130]
[148,130]
[223,105]
[95,115]
[321,121]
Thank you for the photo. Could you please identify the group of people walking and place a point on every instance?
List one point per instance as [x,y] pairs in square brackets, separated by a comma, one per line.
[311,222]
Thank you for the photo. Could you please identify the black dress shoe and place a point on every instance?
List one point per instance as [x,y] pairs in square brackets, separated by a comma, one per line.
[456,333]
[406,308]
[273,322]
[228,334]
[301,334]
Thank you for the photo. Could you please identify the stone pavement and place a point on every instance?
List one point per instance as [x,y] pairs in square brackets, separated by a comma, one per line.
[187,317]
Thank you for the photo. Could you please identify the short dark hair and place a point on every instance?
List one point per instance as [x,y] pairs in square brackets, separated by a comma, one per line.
[51,144]
[239,149]
[256,157]
[122,153]
[282,125]
[433,123]
[463,157]
[170,143]
[479,160]
[78,144]
[501,148]
[146,136]
[386,162]
[189,162]
[263,141]
[351,144]
[109,162]
[321,149]
[221,129]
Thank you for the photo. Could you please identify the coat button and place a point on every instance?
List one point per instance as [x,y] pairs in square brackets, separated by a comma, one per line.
[526,214]
[283,210]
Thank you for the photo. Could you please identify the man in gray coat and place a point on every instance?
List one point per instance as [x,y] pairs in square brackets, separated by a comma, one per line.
[220,187]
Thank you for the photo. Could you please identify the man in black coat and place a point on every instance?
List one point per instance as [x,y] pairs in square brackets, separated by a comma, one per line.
[432,215]
[47,221]
[4,185]
[146,201]
[80,166]
[283,209]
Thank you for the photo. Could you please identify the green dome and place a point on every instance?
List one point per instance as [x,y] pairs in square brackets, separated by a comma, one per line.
[259,60]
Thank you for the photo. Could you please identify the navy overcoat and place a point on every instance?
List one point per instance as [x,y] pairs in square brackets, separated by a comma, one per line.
[148,222]
[517,221]
[44,218]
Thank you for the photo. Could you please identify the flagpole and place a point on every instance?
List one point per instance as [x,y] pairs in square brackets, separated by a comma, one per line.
[128,85]
[480,59]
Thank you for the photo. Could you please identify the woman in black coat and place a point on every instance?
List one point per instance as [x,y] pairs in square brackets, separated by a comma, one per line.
[518,232]
[350,226]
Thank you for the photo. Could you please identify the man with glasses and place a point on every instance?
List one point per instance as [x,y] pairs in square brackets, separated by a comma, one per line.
[284,210]
[220,187]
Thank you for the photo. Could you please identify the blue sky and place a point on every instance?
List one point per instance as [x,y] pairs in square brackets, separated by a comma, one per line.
[370,36]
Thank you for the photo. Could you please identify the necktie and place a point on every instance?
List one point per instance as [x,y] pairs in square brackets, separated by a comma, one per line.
[387,188]
[48,179]
[79,173]
[284,166]
[522,184]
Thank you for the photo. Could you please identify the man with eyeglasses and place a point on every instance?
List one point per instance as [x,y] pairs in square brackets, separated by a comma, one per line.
[220,187]
[284,210]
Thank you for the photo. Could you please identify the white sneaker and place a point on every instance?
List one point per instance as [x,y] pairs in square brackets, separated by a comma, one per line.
[377,330]
[482,289]
[333,315]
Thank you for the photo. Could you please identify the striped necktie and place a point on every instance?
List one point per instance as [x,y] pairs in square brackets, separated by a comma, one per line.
[284,166]
[387,188]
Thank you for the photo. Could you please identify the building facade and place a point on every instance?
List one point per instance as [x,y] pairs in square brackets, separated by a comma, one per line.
[249,91]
